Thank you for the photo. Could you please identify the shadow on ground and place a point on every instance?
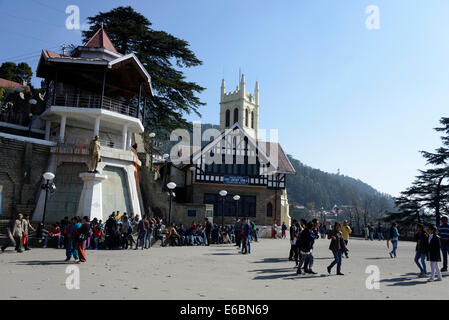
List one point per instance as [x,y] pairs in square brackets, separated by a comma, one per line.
[39,263]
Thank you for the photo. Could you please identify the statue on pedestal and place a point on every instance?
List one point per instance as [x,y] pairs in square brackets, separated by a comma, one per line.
[94,154]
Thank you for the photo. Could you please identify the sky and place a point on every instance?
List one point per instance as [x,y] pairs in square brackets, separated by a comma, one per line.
[343,96]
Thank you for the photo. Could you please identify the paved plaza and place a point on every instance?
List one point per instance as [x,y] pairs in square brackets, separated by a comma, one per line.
[216,272]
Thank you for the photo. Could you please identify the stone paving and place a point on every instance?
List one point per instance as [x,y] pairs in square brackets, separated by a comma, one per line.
[216,272]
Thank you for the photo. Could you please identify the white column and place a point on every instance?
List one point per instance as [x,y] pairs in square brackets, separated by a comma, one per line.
[128,146]
[97,126]
[62,128]
[47,129]
[124,136]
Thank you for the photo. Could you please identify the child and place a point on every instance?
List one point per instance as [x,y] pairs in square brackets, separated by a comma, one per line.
[434,255]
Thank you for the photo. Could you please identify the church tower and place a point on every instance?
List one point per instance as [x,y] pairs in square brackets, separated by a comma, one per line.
[240,106]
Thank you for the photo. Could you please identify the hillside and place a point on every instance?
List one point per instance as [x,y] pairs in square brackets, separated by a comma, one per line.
[314,188]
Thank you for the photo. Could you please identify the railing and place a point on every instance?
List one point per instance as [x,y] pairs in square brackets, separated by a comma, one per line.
[94,101]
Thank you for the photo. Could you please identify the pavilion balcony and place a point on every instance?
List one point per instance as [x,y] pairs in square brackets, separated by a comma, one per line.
[80,100]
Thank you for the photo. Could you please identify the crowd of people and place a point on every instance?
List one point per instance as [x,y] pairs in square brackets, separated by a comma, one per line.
[432,244]
[120,231]
[302,238]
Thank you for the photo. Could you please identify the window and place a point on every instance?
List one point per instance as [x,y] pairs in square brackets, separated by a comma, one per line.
[252,119]
[191,213]
[228,118]
[246,117]
[236,115]
[246,206]
[269,209]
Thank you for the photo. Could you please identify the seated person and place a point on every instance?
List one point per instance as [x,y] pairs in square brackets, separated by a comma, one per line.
[226,238]
[55,232]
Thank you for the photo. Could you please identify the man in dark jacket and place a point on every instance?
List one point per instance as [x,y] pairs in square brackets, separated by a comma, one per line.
[110,229]
[237,229]
[293,231]
[208,230]
[307,239]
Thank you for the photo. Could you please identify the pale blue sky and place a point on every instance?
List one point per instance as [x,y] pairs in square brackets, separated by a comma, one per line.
[343,97]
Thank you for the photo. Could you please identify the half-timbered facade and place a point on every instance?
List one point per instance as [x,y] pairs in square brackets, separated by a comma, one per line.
[238,162]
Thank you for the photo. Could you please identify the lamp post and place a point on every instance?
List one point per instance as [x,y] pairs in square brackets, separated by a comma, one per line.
[171,186]
[192,171]
[237,198]
[47,186]
[151,136]
[223,194]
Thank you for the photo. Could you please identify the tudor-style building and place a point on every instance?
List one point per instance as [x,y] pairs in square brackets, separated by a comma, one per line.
[240,163]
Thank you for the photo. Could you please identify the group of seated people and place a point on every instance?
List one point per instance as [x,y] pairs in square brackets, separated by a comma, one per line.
[121,231]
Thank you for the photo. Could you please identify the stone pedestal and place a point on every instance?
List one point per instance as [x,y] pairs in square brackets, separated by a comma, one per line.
[91,196]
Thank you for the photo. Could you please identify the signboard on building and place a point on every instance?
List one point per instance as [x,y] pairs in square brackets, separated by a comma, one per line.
[235,180]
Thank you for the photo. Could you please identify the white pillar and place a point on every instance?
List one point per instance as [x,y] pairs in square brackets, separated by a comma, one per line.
[47,129]
[62,128]
[124,136]
[128,146]
[97,127]
[91,199]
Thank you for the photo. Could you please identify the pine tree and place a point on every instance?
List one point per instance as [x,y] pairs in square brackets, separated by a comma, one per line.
[163,56]
[430,190]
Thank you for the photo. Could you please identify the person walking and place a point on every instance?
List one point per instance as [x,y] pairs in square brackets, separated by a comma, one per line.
[371,232]
[394,236]
[246,229]
[306,240]
[284,229]
[443,231]
[80,240]
[346,231]
[142,229]
[434,253]
[208,229]
[293,231]
[421,249]
[337,246]
[17,235]
[380,231]
[71,238]
[26,227]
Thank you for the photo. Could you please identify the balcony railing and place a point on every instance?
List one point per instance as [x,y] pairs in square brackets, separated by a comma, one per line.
[94,101]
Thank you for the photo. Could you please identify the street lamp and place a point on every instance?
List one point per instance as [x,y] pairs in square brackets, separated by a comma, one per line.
[151,135]
[223,194]
[237,198]
[48,186]
[171,186]
[192,172]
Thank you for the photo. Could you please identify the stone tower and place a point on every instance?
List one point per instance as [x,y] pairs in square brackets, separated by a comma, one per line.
[240,106]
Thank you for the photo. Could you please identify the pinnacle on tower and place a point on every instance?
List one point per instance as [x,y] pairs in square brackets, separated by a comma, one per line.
[223,88]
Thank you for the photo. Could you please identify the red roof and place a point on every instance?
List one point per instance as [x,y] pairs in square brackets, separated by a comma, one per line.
[101,40]
[12,85]
[53,55]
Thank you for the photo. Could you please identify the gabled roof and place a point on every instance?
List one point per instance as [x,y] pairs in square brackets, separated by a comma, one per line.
[12,85]
[101,40]
[282,164]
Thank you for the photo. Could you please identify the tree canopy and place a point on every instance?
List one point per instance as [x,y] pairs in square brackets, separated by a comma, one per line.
[16,72]
[429,192]
[164,57]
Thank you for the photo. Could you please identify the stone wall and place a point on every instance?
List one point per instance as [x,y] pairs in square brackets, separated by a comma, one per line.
[21,167]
